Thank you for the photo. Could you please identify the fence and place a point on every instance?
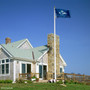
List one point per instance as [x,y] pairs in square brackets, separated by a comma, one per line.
[28,76]
[68,76]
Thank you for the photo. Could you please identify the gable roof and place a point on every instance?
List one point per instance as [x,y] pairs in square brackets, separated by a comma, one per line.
[64,63]
[25,54]
[15,44]
[13,50]
[25,40]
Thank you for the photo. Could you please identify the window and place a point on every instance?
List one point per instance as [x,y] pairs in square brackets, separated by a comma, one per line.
[3,61]
[23,68]
[2,69]
[7,68]
[60,70]
[7,60]
[40,71]
[4,66]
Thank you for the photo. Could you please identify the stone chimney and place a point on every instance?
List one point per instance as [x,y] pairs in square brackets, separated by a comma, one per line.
[7,40]
[51,54]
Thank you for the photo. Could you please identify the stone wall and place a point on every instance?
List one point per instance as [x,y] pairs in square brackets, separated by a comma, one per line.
[51,54]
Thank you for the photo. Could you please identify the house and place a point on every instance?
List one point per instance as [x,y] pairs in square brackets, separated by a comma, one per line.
[21,57]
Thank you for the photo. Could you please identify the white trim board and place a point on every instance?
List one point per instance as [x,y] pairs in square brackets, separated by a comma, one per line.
[5,64]
[6,51]
[14,70]
[42,55]
[26,40]
[63,60]
[23,62]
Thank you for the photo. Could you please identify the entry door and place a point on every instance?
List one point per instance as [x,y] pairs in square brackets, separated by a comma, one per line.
[44,71]
[23,68]
[28,68]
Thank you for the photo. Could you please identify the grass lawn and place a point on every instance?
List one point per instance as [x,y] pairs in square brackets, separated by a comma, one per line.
[43,86]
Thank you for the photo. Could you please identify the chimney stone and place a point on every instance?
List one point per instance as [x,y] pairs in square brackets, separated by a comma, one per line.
[7,40]
[51,54]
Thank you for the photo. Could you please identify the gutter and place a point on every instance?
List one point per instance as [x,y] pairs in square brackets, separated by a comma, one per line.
[22,59]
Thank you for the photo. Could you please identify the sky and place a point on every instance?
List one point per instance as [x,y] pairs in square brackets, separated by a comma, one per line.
[34,19]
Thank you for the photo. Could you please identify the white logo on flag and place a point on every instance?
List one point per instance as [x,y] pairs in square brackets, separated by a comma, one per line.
[62,12]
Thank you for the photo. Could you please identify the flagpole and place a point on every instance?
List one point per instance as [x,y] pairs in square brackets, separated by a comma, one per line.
[54,43]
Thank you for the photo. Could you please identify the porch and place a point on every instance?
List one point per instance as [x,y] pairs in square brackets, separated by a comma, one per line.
[28,76]
[48,76]
[60,76]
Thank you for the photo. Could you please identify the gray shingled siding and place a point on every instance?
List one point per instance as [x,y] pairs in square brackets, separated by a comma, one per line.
[25,46]
[3,54]
[10,77]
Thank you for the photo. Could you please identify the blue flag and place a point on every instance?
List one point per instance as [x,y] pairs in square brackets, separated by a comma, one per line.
[62,13]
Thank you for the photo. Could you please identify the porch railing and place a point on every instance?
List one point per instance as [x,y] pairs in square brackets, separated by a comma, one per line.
[68,76]
[51,76]
[28,76]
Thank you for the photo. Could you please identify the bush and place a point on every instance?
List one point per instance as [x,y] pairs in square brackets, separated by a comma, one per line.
[33,77]
[74,82]
[28,81]
[71,82]
[67,82]
[8,81]
[37,79]
[82,83]
[59,82]
[20,81]
[88,83]
[5,81]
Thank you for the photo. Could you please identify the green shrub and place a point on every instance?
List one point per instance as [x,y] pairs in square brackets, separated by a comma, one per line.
[1,81]
[59,82]
[5,81]
[20,81]
[8,81]
[28,81]
[33,77]
[37,79]
[88,83]
[75,82]
[82,83]
[67,82]
[71,82]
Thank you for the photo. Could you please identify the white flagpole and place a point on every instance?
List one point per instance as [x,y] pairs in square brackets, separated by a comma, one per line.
[42,68]
[55,43]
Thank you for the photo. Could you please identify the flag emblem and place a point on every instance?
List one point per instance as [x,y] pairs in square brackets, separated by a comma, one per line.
[62,13]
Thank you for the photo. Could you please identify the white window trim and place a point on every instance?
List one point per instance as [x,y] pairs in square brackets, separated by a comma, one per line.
[25,67]
[43,65]
[6,51]
[62,68]
[5,64]
[22,62]
[42,55]
[14,70]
